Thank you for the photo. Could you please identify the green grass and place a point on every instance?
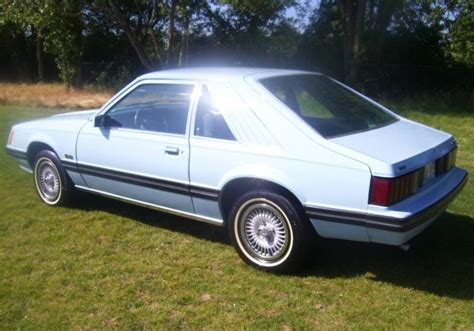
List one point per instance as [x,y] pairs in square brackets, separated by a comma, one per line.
[105,264]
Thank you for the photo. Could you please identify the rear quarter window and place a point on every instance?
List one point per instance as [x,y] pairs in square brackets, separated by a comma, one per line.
[210,122]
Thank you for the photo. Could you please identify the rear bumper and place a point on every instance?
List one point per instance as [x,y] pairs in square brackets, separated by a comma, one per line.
[393,227]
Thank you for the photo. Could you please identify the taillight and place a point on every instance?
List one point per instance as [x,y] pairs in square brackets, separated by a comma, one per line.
[446,163]
[387,191]
[381,191]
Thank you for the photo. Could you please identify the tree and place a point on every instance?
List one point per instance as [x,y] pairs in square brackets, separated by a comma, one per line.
[171,28]
[460,36]
[64,39]
[283,44]
[138,20]
[149,25]
[352,17]
[321,46]
[28,19]
[57,26]
[241,29]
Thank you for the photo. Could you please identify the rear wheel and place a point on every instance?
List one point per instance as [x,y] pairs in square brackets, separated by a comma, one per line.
[268,231]
[53,185]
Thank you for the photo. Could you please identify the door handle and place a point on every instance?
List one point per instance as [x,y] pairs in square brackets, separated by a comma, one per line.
[171,150]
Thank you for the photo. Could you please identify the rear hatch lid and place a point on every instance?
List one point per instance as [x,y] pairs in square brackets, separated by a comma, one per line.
[397,148]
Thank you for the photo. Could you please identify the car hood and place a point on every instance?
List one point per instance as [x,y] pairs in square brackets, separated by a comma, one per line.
[65,122]
[76,115]
[397,148]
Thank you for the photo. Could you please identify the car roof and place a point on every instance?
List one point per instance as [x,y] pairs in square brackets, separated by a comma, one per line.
[218,73]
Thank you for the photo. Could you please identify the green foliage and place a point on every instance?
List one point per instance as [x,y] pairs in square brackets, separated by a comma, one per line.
[111,76]
[321,43]
[58,23]
[255,13]
[283,44]
[402,47]
[460,39]
[64,35]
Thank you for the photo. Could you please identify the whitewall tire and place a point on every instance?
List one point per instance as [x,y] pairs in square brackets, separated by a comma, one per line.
[268,230]
[52,184]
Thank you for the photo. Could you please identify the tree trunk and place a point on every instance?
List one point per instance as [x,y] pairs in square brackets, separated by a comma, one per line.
[345,7]
[39,57]
[77,81]
[353,15]
[65,73]
[356,52]
[169,54]
[183,53]
[155,46]
[137,46]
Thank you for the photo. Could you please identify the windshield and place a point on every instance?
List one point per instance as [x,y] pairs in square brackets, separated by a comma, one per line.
[329,108]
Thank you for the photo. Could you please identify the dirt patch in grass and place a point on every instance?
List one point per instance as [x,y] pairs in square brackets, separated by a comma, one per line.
[52,95]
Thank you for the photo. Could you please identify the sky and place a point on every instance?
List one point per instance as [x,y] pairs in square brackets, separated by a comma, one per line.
[302,17]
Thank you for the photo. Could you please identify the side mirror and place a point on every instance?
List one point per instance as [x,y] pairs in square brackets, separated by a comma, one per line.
[105,121]
[99,121]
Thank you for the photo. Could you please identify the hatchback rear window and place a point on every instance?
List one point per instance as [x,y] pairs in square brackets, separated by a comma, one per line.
[328,107]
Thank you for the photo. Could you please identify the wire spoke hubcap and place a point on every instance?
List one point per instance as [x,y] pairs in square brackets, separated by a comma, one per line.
[264,231]
[47,180]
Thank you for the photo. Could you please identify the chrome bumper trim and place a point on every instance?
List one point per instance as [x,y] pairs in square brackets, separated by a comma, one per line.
[386,222]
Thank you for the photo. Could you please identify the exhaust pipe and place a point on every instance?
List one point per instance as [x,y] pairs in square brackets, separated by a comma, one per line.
[405,247]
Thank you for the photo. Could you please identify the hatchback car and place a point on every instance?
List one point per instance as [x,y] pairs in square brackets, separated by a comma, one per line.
[276,156]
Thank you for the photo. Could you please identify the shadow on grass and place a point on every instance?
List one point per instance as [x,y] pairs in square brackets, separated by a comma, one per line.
[440,261]
[152,218]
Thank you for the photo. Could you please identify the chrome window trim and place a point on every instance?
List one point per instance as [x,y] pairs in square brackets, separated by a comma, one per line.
[129,89]
[216,140]
[155,133]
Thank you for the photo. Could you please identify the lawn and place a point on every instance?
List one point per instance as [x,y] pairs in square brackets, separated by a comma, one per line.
[105,264]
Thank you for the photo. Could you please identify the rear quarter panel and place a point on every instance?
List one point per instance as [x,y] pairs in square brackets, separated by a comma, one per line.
[313,183]
[272,148]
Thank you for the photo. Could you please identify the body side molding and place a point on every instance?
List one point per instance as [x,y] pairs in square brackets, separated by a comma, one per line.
[146,181]
[172,211]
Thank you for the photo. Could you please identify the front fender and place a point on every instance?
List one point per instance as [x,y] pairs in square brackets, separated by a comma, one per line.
[44,139]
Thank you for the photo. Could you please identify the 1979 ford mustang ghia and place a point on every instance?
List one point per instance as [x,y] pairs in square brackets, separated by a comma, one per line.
[274,155]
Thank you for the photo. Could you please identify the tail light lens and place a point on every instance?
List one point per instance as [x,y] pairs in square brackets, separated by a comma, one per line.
[446,163]
[387,191]
[380,193]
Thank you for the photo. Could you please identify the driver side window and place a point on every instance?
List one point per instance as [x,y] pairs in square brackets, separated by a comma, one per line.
[153,107]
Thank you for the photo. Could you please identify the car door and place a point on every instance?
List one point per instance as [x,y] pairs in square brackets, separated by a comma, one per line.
[138,148]
[214,151]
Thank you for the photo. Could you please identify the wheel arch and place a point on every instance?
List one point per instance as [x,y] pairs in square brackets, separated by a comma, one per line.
[34,148]
[240,185]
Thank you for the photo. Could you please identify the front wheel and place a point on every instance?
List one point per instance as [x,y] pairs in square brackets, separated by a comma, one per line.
[268,231]
[51,181]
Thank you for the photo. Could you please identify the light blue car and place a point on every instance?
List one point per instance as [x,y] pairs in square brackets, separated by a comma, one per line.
[277,156]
